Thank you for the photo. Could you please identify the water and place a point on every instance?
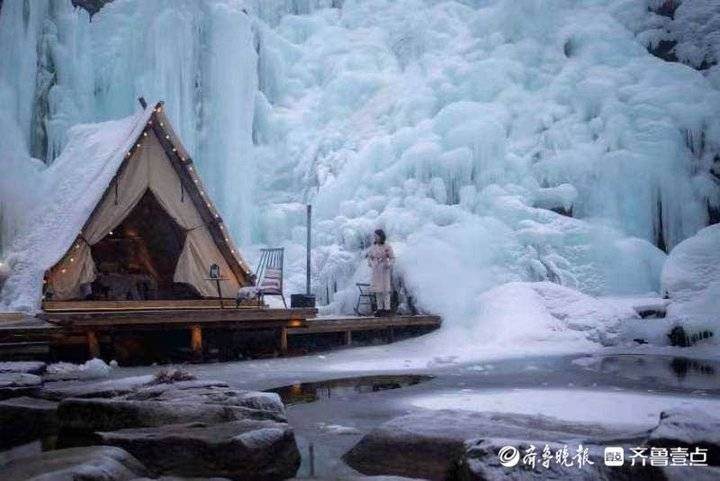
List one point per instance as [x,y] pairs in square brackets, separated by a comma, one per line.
[343,388]
[330,415]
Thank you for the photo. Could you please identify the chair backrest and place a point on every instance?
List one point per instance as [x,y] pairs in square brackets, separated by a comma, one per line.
[269,272]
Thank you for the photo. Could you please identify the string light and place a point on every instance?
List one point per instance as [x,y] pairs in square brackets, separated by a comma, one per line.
[162,124]
[167,136]
[190,167]
[72,259]
[63,271]
[138,145]
[144,134]
[174,149]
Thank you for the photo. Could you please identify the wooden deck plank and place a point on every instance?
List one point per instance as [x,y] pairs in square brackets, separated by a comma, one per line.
[242,318]
[328,325]
[154,305]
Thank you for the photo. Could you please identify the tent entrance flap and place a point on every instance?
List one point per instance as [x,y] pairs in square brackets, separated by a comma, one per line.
[138,258]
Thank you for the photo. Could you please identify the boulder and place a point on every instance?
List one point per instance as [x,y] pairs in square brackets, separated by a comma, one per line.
[15,384]
[245,450]
[178,478]
[94,463]
[29,367]
[691,473]
[431,444]
[59,390]
[197,393]
[23,419]
[682,427]
[84,416]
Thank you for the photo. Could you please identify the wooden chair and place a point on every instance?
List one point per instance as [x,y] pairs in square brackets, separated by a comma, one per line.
[269,274]
[365,299]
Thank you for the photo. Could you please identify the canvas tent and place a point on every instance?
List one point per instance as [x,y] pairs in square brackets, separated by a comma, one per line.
[153,222]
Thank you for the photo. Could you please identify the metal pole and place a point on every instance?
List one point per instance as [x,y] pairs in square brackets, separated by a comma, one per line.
[307,266]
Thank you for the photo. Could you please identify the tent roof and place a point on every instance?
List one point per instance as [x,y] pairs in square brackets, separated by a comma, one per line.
[73,186]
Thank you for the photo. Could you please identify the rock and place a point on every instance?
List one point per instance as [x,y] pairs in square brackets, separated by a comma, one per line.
[94,463]
[178,478]
[365,478]
[691,473]
[688,428]
[431,444]
[23,419]
[481,463]
[59,390]
[15,384]
[84,416]
[244,450]
[155,389]
[194,392]
[29,367]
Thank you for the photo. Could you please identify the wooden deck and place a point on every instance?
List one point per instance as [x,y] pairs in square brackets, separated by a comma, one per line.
[91,324]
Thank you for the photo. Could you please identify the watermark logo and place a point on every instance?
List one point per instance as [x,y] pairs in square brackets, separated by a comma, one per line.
[532,456]
[614,456]
[509,456]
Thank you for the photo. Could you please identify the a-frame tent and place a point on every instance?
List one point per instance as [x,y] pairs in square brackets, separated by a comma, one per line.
[154,187]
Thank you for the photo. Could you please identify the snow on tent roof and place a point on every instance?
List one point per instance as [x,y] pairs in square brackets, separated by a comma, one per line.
[70,189]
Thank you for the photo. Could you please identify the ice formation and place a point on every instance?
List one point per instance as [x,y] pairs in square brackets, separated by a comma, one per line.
[470,130]
[691,279]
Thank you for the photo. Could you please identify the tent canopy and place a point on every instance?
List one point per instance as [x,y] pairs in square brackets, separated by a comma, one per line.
[155,178]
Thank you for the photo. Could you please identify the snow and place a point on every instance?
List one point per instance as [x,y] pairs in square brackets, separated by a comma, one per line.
[92,369]
[455,126]
[586,406]
[691,279]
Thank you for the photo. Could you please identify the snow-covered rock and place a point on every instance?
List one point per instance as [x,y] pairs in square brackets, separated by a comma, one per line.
[431,444]
[691,279]
[690,428]
[13,384]
[58,390]
[241,450]
[30,367]
[94,463]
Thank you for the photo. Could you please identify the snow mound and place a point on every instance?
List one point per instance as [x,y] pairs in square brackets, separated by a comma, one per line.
[522,314]
[92,369]
[691,279]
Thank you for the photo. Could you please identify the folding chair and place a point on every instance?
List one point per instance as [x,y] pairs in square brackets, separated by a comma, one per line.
[269,274]
[365,298]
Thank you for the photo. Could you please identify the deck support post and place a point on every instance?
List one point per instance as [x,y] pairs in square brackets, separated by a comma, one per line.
[93,344]
[196,341]
[283,340]
[348,337]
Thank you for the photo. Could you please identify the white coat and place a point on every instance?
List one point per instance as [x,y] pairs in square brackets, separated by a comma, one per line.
[381,259]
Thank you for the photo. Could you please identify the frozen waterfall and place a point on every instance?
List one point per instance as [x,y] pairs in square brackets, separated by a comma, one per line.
[469,130]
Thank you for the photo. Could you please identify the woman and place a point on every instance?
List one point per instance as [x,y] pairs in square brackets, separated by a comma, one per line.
[381,258]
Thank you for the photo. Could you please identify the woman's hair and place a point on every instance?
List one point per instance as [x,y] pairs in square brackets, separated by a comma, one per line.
[380,236]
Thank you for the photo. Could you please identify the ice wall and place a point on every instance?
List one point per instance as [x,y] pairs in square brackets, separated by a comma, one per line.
[469,130]
[61,69]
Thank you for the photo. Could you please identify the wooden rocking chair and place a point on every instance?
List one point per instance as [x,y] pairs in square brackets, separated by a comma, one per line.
[269,274]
